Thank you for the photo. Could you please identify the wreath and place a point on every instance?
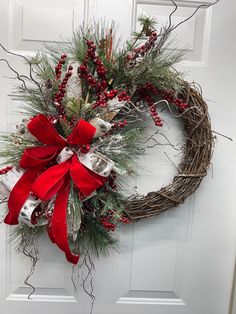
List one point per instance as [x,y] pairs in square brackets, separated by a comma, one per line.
[87,105]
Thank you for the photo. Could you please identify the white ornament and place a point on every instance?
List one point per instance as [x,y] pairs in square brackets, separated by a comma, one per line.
[102,127]
[115,105]
[97,163]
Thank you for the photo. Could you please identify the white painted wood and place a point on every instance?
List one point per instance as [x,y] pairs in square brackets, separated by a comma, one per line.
[181,262]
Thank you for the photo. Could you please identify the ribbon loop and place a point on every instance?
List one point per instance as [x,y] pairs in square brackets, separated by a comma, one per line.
[82,134]
[41,128]
[36,156]
[19,194]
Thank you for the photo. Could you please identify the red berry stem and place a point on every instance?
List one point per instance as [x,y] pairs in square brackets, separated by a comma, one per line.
[143,49]
[99,66]
[101,83]
[155,116]
[119,124]
[124,219]
[147,91]
[107,224]
[85,74]
[169,96]
[61,92]
[58,68]
[108,95]
[5,170]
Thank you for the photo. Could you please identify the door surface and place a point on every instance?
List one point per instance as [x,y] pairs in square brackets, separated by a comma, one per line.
[180,262]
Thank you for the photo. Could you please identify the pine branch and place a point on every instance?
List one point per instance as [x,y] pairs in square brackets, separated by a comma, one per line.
[96,239]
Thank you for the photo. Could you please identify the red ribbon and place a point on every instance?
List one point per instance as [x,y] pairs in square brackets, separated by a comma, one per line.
[55,180]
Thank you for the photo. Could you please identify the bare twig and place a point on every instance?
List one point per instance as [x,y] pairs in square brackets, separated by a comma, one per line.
[18,76]
[30,70]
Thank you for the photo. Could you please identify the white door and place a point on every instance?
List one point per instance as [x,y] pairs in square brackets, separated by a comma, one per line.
[180,262]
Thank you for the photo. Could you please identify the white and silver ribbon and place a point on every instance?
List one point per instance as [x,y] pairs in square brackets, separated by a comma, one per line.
[8,181]
[102,127]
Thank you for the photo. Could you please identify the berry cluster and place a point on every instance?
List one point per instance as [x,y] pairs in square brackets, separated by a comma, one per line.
[62,90]
[155,116]
[124,220]
[85,74]
[99,68]
[148,90]
[5,170]
[120,124]
[100,102]
[145,92]
[143,49]
[59,66]
[123,96]
[109,95]
[107,224]
[85,148]
[99,84]
[169,96]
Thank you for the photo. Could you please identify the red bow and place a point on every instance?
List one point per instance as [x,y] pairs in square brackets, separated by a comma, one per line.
[56,179]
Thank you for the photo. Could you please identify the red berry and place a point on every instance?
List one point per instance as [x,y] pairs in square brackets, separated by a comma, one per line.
[90,42]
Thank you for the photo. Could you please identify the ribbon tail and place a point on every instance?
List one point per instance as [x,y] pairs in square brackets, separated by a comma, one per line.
[58,227]
[19,194]
[36,156]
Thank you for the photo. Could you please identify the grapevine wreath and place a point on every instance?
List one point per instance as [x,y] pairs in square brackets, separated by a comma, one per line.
[87,105]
